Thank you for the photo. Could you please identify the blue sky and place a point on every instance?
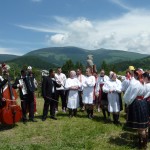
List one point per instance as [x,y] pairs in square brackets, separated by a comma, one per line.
[27,25]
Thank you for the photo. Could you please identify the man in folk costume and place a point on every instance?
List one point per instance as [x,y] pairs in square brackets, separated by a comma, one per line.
[137,116]
[29,81]
[146,78]
[30,73]
[61,79]
[73,85]
[102,96]
[88,92]
[81,79]
[113,87]
[49,85]
[20,84]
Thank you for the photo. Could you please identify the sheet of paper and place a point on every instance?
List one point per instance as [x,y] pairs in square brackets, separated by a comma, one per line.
[24,88]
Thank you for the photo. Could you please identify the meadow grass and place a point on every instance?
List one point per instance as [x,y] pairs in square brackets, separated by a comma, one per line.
[77,133]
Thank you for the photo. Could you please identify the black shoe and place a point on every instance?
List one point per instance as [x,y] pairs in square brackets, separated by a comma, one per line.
[32,120]
[43,119]
[24,121]
[52,117]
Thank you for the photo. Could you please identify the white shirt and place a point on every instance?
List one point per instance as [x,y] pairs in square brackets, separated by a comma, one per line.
[100,80]
[135,89]
[73,98]
[113,97]
[147,90]
[88,90]
[62,79]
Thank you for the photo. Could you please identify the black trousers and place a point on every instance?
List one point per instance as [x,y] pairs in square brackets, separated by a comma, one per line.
[24,109]
[62,94]
[80,99]
[49,103]
[30,104]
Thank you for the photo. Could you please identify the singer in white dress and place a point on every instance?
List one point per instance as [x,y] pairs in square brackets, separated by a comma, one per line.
[73,85]
[88,92]
[113,88]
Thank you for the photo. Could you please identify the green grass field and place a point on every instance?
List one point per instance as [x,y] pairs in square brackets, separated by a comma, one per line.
[77,133]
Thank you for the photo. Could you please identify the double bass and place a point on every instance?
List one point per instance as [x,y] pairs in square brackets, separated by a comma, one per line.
[10,113]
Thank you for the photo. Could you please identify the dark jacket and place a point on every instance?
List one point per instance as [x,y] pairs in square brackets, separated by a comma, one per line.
[47,86]
[22,97]
[2,83]
[29,82]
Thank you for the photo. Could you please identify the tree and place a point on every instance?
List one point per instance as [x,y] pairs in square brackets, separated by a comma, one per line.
[68,66]
[79,65]
[105,66]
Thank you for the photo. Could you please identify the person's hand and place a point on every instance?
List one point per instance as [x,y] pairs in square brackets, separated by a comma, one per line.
[20,86]
[97,94]
[3,99]
[6,75]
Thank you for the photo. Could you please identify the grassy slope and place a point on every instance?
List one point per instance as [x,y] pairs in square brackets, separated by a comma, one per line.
[77,133]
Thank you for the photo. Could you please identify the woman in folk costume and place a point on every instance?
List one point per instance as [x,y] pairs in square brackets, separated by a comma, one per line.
[88,92]
[73,85]
[102,97]
[113,88]
[137,115]
[146,78]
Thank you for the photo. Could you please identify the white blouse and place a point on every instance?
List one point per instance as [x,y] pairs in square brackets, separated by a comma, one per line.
[135,89]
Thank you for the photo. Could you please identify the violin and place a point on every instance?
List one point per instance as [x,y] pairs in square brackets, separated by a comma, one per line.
[11,112]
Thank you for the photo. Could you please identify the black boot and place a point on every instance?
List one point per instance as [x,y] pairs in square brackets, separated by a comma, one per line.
[140,142]
[108,113]
[144,144]
[70,113]
[75,112]
[90,114]
[114,119]
[117,119]
[104,113]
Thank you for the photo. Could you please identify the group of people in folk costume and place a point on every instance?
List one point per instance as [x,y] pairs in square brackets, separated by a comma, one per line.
[84,91]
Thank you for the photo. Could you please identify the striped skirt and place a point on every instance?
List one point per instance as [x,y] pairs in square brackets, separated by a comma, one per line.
[138,115]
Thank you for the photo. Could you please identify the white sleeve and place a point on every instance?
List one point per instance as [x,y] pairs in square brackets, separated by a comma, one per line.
[146,91]
[119,86]
[106,87]
[91,81]
[131,93]
[125,85]
[67,85]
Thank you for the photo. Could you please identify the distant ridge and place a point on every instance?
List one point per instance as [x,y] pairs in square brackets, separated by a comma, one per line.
[7,57]
[57,56]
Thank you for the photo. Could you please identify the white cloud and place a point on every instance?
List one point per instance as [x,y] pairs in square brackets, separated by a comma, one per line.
[121,4]
[130,32]
[12,51]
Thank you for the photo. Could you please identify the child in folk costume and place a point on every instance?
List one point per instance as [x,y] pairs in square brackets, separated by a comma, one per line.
[113,88]
[102,97]
[72,84]
[88,92]
[146,78]
[137,117]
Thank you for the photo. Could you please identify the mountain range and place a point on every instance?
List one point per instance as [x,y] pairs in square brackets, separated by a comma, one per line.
[57,56]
